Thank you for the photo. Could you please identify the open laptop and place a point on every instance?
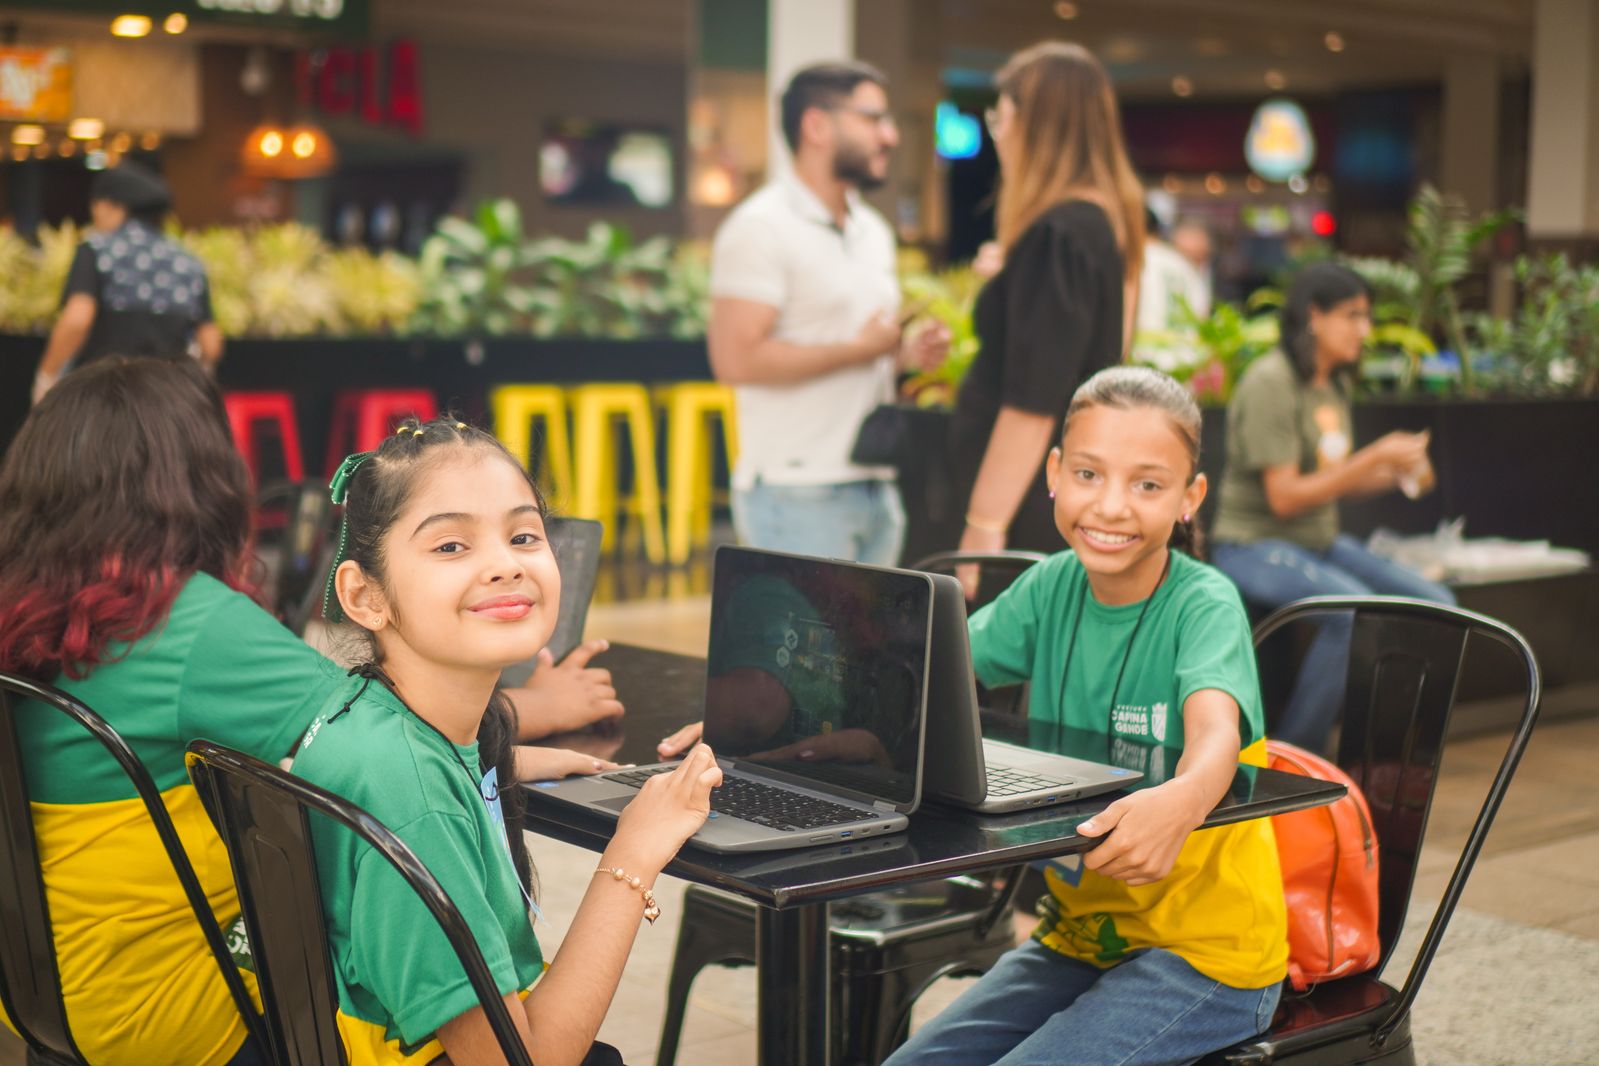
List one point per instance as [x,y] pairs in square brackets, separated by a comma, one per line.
[576,544]
[815,704]
[986,775]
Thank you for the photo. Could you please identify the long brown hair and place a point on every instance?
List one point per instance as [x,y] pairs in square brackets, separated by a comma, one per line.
[121,484]
[1071,146]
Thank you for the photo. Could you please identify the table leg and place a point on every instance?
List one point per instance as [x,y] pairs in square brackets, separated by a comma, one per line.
[791,950]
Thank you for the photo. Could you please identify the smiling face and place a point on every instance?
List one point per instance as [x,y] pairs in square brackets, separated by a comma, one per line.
[1121,480]
[469,580]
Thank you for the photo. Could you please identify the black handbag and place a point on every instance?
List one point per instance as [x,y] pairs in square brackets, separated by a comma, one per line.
[886,437]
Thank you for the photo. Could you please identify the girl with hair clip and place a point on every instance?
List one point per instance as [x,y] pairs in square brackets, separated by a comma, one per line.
[1070,223]
[1161,944]
[445,565]
[124,541]
[1290,459]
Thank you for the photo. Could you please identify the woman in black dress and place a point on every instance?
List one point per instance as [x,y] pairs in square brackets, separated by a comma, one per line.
[1070,221]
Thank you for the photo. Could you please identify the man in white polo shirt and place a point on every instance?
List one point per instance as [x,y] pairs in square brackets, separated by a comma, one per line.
[804,325]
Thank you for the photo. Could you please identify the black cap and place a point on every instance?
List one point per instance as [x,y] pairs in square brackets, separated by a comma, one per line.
[137,188]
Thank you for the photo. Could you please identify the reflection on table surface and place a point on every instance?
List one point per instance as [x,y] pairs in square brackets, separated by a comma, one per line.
[663,691]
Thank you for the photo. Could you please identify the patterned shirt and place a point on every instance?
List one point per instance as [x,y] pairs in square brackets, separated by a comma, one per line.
[150,294]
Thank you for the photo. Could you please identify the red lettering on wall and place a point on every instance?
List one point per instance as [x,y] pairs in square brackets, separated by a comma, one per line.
[354,81]
[405,86]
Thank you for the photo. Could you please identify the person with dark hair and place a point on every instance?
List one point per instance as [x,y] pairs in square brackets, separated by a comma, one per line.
[445,565]
[1069,220]
[1161,944]
[1290,459]
[804,326]
[130,290]
[124,541]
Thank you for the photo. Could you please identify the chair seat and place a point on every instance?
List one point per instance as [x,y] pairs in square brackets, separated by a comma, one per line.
[1332,1023]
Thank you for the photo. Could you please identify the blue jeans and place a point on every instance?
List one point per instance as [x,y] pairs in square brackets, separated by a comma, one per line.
[860,520]
[1271,573]
[1037,1007]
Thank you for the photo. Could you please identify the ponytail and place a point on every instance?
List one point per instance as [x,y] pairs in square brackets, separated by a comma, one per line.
[1185,536]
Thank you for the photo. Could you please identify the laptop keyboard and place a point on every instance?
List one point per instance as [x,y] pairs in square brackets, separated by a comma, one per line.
[777,808]
[1010,781]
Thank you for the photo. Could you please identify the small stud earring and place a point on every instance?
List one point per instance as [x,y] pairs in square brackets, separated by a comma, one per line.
[1052,494]
[1188,518]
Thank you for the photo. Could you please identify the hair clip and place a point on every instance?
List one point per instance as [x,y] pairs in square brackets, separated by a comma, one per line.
[460,425]
[416,433]
[401,431]
[339,487]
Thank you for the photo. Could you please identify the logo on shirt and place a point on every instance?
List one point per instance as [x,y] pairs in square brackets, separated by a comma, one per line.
[1157,721]
[311,731]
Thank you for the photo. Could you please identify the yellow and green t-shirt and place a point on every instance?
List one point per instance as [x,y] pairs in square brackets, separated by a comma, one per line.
[398,978]
[1221,908]
[140,985]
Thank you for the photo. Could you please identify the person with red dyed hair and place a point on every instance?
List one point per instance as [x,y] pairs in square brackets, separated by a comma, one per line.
[124,533]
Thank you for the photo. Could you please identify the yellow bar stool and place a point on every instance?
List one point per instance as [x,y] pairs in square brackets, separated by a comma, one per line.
[596,411]
[516,408]
[689,407]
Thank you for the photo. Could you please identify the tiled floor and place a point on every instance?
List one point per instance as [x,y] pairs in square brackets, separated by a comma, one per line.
[1513,983]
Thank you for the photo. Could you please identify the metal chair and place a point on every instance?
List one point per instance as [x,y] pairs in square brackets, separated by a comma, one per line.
[30,980]
[1405,657]
[886,947]
[261,812]
[305,515]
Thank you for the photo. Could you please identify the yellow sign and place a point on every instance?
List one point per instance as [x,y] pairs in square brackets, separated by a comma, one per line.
[35,84]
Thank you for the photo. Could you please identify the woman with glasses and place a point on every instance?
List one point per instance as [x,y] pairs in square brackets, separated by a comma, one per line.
[1070,223]
[1290,459]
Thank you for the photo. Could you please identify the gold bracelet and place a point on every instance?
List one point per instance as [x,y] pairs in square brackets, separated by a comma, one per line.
[986,527]
[652,910]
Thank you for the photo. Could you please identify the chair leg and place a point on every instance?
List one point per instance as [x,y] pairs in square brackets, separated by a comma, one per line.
[693,954]
[646,473]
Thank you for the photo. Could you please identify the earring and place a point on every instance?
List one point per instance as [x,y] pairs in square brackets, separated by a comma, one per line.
[1052,494]
[1188,518]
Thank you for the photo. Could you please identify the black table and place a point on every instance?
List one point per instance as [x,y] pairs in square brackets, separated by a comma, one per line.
[662,691]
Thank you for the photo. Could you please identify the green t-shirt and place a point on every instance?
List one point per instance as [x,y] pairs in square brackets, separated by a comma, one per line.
[218,667]
[398,977]
[1195,635]
[1276,418]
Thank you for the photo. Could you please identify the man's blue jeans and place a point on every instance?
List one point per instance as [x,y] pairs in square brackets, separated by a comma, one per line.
[1271,573]
[1038,1008]
[861,521]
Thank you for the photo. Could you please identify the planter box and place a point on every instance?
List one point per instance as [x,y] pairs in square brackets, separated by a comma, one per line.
[459,372]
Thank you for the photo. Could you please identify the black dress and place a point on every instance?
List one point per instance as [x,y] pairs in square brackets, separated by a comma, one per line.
[1045,324]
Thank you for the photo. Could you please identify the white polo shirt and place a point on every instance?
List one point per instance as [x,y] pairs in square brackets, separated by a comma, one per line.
[781,247]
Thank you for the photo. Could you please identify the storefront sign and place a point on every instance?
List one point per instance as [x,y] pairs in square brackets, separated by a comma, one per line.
[353,81]
[346,18]
[1279,144]
[35,84]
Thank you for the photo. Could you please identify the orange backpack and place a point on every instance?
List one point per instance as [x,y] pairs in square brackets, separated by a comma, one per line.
[1329,862]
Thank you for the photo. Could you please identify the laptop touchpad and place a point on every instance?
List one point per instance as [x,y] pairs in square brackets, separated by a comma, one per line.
[615,803]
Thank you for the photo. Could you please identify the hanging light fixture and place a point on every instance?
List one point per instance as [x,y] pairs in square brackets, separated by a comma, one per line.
[303,150]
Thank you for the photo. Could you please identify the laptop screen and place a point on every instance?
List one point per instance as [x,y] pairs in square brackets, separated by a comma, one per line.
[818,669]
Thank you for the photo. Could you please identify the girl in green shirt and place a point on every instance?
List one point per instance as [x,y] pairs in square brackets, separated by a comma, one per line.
[446,567]
[1161,944]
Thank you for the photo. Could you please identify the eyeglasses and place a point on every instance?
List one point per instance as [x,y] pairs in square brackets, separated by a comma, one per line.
[876,118]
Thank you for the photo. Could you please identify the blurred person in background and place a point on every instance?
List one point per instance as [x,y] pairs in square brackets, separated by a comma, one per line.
[1191,240]
[130,291]
[1290,459]
[1070,223]
[1167,279]
[805,325]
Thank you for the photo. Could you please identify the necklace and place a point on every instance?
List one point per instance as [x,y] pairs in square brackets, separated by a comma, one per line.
[1077,624]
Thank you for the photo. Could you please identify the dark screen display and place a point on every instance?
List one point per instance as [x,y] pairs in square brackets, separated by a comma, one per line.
[818,669]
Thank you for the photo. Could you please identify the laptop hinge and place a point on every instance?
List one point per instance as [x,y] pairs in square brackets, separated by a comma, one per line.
[885,806]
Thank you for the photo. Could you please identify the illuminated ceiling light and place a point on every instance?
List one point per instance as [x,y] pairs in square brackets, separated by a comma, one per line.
[150,141]
[67,149]
[1254,184]
[121,143]
[304,145]
[1182,85]
[27,135]
[130,26]
[86,129]
[271,144]
[176,23]
[1172,184]
[1276,80]
[1215,184]
[1066,10]
[1298,184]
[20,152]
[1334,41]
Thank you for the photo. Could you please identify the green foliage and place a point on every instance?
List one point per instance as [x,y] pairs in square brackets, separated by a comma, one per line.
[947,297]
[1551,345]
[1210,353]
[32,276]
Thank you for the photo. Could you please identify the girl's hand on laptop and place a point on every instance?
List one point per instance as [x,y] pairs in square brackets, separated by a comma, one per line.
[666,812]
[681,741]
[548,764]
[570,695]
[1142,833]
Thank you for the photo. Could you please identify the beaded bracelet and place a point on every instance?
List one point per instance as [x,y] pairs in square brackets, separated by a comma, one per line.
[652,910]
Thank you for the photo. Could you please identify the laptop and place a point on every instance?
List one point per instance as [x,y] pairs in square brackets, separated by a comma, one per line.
[815,704]
[576,544]
[982,774]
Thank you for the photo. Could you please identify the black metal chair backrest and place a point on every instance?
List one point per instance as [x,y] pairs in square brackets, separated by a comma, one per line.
[306,544]
[998,568]
[30,979]
[1404,663]
[261,812]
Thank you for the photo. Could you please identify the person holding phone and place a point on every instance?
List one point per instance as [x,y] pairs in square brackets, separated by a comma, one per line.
[1290,459]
